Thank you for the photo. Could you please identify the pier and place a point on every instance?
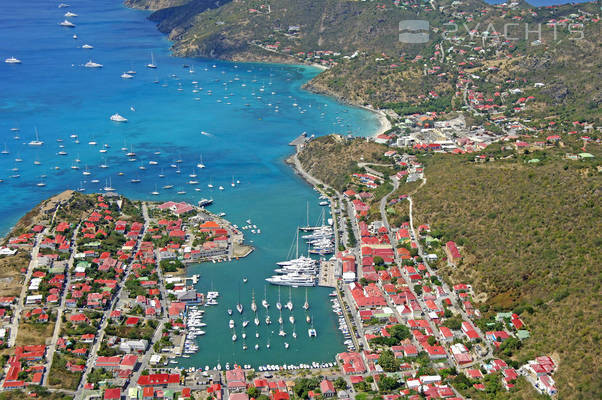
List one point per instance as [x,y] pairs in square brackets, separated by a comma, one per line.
[327,274]
[299,140]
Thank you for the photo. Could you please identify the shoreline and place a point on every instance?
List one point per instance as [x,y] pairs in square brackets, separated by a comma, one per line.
[384,122]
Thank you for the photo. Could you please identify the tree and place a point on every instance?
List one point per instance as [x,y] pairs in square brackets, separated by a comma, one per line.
[340,383]
[378,260]
[388,383]
[253,392]
[388,362]
[399,332]
[431,340]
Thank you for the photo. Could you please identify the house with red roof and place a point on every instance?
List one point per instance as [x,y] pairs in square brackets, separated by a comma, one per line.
[353,363]
[453,254]
[236,379]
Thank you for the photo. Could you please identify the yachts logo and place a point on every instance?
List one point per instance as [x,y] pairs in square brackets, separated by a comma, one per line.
[414,31]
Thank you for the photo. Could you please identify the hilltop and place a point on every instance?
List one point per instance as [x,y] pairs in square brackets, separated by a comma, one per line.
[469,49]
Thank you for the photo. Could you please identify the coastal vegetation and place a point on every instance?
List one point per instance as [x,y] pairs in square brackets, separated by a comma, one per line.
[528,235]
[530,244]
[333,158]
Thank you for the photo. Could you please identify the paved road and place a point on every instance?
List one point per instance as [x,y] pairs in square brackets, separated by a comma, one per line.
[106,314]
[33,264]
[144,362]
[57,327]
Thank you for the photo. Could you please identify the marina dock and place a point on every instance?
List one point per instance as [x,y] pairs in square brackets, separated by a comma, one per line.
[327,274]
[299,140]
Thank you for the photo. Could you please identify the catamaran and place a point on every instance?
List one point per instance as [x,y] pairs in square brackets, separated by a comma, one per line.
[37,141]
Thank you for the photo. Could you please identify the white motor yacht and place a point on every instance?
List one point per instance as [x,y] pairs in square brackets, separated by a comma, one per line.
[118,118]
[92,64]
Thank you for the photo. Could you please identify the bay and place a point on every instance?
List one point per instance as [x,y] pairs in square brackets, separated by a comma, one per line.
[239,120]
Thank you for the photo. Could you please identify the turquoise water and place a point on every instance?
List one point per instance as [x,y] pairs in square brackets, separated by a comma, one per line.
[246,139]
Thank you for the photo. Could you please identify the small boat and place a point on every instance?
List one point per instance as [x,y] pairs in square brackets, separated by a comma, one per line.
[291,318]
[12,60]
[200,164]
[125,75]
[279,304]
[245,323]
[221,188]
[306,304]
[289,304]
[256,346]
[63,5]
[87,46]
[245,280]
[69,14]
[256,321]
[253,304]
[152,64]
[264,302]
[286,345]
[118,118]
[68,24]
[92,64]
[155,192]
[229,311]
